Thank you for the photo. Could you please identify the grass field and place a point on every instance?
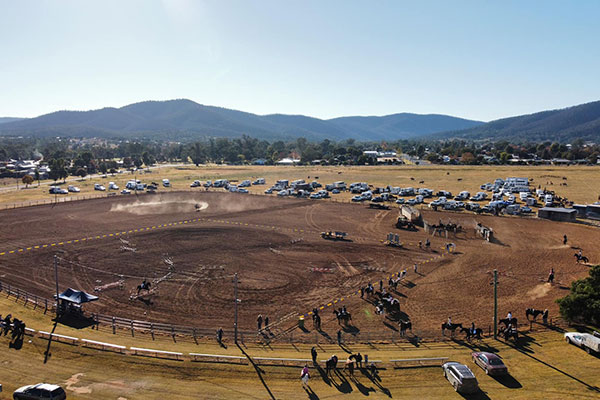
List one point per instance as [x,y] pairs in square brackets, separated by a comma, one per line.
[543,368]
[582,182]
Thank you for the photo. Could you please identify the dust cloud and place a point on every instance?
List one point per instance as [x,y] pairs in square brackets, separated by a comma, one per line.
[160,206]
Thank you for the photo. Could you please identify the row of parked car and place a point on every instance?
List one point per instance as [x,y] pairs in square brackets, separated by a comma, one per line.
[462,378]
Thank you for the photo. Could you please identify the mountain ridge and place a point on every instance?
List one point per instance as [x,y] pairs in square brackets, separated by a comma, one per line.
[186,119]
[562,125]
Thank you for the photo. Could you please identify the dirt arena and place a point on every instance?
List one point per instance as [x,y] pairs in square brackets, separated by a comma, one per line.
[274,245]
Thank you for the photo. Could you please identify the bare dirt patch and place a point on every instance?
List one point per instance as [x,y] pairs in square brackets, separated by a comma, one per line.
[274,246]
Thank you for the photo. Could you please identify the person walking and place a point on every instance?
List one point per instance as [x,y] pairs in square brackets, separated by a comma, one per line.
[350,366]
[564,239]
[416,268]
[305,375]
[220,335]
[266,322]
[381,285]
[551,276]
[259,321]
[339,337]
[362,292]
[313,355]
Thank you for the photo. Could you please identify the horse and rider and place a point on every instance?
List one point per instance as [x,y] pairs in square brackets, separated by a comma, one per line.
[472,332]
[450,326]
[145,285]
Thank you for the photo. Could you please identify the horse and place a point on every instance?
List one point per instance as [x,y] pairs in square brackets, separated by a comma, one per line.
[145,285]
[346,317]
[506,321]
[533,312]
[404,325]
[331,364]
[509,333]
[581,258]
[450,327]
[469,334]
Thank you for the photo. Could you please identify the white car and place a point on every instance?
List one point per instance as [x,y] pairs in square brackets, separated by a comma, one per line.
[112,186]
[195,184]
[588,342]
[242,190]
[98,186]
[40,391]
[74,189]
[125,191]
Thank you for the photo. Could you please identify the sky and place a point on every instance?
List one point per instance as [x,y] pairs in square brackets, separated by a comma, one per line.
[325,58]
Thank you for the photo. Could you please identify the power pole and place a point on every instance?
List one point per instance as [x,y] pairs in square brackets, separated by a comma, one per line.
[495,302]
[235,295]
[56,278]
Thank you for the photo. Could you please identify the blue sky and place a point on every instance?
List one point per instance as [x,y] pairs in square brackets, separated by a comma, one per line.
[475,59]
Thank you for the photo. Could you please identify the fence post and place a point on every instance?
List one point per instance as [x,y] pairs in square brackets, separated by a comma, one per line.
[45,305]
[26,299]
[113,325]
[97,322]
[35,302]
[172,332]
[194,333]
[152,330]
[131,321]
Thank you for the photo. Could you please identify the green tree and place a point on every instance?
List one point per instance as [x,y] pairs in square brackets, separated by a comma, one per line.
[81,172]
[103,168]
[27,180]
[147,158]
[583,303]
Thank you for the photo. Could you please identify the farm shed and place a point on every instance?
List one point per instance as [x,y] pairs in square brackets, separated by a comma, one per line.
[558,214]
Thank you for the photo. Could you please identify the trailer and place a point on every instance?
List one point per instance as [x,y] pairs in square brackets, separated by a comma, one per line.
[412,214]
[334,235]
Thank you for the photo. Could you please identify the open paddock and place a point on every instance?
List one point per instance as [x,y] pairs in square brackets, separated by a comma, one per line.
[274,245]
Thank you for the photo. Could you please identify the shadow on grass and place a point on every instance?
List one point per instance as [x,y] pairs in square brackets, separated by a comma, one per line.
[479,395]
[259,371]
[311,394]
[509,381]
[587,385]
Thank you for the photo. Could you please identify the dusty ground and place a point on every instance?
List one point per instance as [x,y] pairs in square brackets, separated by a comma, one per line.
[273,244]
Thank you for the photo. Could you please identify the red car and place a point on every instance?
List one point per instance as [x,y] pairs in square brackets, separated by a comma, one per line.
[490,363]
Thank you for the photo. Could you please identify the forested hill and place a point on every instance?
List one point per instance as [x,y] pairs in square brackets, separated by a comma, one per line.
[187,120]
[565,125]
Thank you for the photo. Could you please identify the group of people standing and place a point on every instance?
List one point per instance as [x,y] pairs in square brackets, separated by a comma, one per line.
[15,325]
[260,320]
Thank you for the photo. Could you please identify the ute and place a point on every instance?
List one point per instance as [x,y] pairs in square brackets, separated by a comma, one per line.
[405,223]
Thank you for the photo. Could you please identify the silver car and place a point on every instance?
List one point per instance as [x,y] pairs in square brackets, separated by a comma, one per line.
[461,377]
